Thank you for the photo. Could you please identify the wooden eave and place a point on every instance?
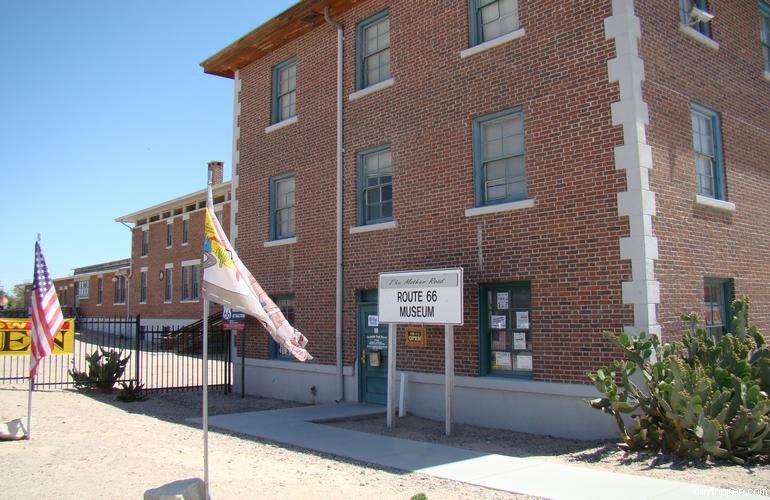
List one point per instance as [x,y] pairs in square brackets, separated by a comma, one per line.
[283,28]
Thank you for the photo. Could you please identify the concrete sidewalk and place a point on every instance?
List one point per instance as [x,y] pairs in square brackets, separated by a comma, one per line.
[526,476]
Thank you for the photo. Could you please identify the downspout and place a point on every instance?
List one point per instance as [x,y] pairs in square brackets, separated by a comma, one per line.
[338,294]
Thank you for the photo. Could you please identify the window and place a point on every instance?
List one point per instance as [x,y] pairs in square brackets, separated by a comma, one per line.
[286,304]
[81,289]
[493,18]
[284,90]
[500,171]
[764,19]
[282,207]
[143,287]
[717,300]
[373,45]
[145,241]
[218,215]
[63,296]
[168,290]
[99,290]
[169,235]
[190,282]
[185,231]
[690,10]
[505,313]
[120,290]
[375,190]
[708,152]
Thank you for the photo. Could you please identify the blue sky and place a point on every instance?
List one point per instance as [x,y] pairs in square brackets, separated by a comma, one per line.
[105,110]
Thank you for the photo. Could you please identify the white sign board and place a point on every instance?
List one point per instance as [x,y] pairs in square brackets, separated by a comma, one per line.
[421,297]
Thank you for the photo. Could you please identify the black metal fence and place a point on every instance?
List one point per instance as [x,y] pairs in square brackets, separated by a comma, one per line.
[159,357]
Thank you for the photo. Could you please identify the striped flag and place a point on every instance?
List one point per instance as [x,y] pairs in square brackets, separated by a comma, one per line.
[46,312]
[226,281]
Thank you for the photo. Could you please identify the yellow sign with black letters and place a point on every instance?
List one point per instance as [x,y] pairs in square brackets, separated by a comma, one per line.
[15,341]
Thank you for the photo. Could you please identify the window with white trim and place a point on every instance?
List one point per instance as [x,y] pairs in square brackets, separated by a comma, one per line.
[190,282]
[143,287]
[500,170]
[491,19]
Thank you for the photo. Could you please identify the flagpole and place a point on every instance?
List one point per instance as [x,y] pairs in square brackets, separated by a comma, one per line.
[206,395]
[31,377]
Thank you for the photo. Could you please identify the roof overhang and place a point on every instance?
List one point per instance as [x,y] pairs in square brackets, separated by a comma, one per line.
[283,28]
[216,190]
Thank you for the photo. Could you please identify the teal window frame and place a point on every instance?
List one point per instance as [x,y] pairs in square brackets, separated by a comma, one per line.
[274,208]
[361,197]
[727,288]
[704,28]
[361,81]
[479,177]
[276,113]
[291,316]
[485,350]
[718,174]
[476,24]
[764,30]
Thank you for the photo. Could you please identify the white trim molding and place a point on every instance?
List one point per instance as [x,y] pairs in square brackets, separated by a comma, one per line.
[191,262]
[281,124]
[373,227]
[714,203]
[500,207]
[281,242]
[635,157]
[371,89]
[495,42]
[698,36]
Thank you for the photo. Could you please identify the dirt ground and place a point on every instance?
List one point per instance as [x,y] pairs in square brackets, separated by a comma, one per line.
[603,455]
[91,446]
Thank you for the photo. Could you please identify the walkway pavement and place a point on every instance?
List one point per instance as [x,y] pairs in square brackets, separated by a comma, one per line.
[526,476]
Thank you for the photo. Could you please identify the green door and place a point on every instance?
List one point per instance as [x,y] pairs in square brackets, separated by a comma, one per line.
[372,356]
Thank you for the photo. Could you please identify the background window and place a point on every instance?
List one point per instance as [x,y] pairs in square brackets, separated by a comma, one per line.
[717,301]
[493,18]
[764,19]
[373,50]
[169,235]
[168,291]
[708,160]
[185,231]
[120,290]
[505,317]
[284,90]
[375,189]
[145,241]
[143,287]
[282,207]
[498,150]
[99,290]
[286,304]
[190,282]
[686,7]
[81,289]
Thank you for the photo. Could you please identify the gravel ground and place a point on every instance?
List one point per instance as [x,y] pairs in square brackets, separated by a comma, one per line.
[91,446]
[597,454]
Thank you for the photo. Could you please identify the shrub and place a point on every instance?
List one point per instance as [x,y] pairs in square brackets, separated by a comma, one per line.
[104,370]
[130,392]
[701,396]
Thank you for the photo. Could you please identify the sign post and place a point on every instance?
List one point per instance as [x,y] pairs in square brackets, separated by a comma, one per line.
[236,321]
[421,298]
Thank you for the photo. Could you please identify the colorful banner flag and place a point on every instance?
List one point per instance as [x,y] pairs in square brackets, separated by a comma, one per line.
[226,281]
[47,317]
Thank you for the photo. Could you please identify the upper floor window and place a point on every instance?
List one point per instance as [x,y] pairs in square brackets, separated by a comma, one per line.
[282,207]
[493,18]
[709,168]
[120,290]
[169,235]
[500,172]
[375,189]
[185,231]
[145,241]
[717,300]
[284,90]
[696,15]
[373,61]
[764,19]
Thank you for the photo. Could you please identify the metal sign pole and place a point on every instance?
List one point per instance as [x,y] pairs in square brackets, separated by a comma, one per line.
[449,372]
[206,396]
[391,374]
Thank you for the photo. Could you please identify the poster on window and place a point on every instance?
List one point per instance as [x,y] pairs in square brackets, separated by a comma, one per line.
[498,322]
[502,361]
[524,362]
[522,320]
[499,341]
[519,341]
[502,300]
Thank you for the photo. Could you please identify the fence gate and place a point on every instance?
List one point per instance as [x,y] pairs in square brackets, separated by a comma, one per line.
[161,358]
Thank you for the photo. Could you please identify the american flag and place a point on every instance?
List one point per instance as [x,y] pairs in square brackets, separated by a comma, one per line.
[46,312]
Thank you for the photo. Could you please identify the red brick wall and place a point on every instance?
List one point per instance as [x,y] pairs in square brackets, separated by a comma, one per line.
[695,241]
[158,255]
[567,245]
[89,306]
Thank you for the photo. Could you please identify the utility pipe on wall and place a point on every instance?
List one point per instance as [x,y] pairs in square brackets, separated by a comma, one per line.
[338,294]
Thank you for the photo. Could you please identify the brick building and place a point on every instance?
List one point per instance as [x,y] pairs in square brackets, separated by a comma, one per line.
[166,250]
[592,166]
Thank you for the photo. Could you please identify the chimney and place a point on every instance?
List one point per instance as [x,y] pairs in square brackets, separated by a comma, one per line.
[216,169]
